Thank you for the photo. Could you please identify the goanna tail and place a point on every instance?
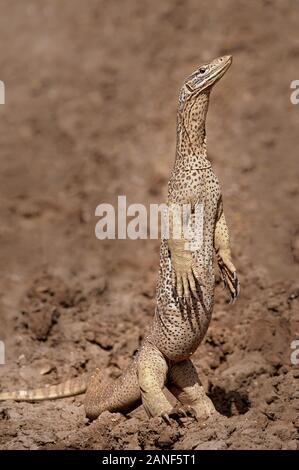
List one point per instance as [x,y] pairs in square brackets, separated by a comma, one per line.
[66,389]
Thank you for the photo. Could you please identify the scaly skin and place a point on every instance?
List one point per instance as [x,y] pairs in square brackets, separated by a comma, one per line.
[185,289]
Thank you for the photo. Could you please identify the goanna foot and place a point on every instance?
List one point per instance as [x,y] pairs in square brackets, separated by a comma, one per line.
[178,412]
[204,409]
[199,412]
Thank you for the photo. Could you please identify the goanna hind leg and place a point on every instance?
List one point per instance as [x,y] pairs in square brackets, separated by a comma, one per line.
[185,385]
[152,373]
[121,395]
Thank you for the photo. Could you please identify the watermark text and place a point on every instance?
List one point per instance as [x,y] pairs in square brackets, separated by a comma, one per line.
[2,353]
[295,94]
[134,221]
[2,92]
[295,354]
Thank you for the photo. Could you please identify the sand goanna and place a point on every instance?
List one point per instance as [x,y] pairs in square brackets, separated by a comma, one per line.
[185,288]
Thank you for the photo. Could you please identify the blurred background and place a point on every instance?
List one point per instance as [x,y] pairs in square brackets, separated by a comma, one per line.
[90,113]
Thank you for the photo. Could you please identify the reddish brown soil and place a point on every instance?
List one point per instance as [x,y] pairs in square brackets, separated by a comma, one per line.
[91,92]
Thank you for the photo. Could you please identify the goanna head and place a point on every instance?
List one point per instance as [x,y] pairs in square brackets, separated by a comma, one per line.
[203,79]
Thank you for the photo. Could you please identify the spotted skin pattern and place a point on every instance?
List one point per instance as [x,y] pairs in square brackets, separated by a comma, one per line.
[185,287]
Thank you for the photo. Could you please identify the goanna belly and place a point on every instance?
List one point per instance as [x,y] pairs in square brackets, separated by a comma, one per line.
[178,329]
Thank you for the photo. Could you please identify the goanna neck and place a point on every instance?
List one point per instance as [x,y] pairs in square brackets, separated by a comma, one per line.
[191,130]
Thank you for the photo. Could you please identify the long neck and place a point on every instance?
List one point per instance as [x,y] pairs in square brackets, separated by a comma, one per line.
[191,128]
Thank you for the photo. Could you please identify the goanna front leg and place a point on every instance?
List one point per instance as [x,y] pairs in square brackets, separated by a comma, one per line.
[223,253]
[186,279]
[185,385]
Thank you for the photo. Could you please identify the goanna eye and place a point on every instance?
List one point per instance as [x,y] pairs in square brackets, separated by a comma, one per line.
[202,70]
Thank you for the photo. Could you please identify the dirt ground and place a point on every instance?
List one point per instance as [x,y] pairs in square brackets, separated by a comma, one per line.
[91,96]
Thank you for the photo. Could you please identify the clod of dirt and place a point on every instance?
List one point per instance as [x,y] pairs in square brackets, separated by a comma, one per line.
[212,445]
